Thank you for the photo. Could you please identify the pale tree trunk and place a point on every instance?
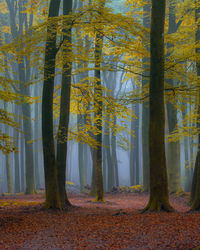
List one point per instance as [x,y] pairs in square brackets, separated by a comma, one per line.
[114,152]
[145,106]
[81,162]
[16,154]
[173,156]
[134,152]
[110,172]
[8,160]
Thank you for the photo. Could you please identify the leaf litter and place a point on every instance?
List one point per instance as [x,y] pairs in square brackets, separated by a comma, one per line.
[115,224]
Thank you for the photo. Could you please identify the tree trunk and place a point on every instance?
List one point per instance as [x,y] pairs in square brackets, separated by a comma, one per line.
[8,165]
[22,164]
[158,171]
[114,154]
[99,95]
[16,155]
[145,106]
[134,153]
[110,172]
[93,183]
[64,108]
[81,156]
[51,180]
[174,168]
[195,194]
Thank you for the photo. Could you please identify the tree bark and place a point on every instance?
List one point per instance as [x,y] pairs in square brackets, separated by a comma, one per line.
[195,194]
[81,156]
[51,180]
[99,95]
[110,172]
[173,156]
[158,171]
[64,107]
[145,106]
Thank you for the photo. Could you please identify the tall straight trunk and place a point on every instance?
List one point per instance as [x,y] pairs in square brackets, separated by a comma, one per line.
[159,199]
[93,182]
[173,156]
[81,166]
[64,107]
[110,166]
[50,170]
[8,160]
[145,106]
[105,170]
[188,170]
[98,93]
[99,96]
[195,195]
[29,159]
[81,161]
[16,154]
[114,153]
[36,149]
[187,183]
[36,137]
[134,153]
[22,164]
[9,174]
[194,179]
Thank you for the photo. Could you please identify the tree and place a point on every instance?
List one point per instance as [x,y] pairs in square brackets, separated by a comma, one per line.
[50,170]
[99,94]
[173,156]
[64,104]
[145,106]
[195,194]
[158,173]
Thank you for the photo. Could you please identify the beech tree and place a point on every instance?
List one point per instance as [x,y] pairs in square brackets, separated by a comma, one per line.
[195,194]
[64,104]
[50,169]
[158,172]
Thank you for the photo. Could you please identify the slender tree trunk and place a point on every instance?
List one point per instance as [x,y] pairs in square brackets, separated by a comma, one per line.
[134,153]
[174,168]
[110,172]
[145,106]
[16,155]
[99,115]
[93,183]
[158,171]
[195,194]
[105,170]
[36,143]
[8,161]
[22,164]
[114,153]
[81,161]
[50,170]
[64,107]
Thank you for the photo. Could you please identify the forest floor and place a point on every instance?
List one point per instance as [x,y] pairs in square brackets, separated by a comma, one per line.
[114,224]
